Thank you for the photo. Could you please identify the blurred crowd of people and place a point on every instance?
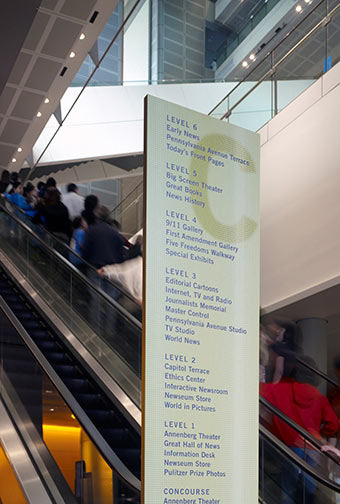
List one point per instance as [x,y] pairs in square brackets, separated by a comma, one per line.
[84,225]
[289,380]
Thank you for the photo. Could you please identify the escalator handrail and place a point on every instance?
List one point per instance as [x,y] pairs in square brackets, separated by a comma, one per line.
[300,430]
[114,210]
[109,455]
[67,247]
[297,460]
[271,51]
[318,372]
[74,270]
[45,464]
[28,476]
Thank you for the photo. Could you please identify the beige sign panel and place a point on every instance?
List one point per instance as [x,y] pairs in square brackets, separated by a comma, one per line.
[201,299]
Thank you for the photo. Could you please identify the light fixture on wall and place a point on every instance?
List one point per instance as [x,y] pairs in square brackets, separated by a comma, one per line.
[14,160]
[39,114]
[19,149]
[298,8]
[82,36]
[72,54]
[46,100]
[245,64]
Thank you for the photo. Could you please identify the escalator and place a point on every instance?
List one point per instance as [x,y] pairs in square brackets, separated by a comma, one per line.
[49,305]
[116,439]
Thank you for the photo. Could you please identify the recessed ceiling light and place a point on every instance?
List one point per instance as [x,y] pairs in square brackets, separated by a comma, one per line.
[51,409]
[244,64]
[72,54]
[72,416]
[19,149]
[48,391]
[298,8]
[14,160]
[252,57]
[82,36]
[46,100]
[39,114]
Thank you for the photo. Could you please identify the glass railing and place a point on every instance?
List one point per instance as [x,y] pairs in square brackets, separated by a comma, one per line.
[149,82]
[292,66]
[51,431]
[114,290]
[130,211]
[286,479]
[258,15]
[279,476]
[106,329]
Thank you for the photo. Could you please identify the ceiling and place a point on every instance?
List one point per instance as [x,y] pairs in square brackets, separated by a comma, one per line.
[43,68]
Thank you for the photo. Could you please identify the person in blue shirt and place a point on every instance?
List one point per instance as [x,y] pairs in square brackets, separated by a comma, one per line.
[17,198]
[77,241]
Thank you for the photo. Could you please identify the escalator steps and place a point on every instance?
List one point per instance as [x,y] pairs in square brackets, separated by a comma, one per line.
[78,385]
[112,426]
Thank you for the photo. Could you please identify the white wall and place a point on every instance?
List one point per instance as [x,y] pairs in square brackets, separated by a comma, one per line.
[108,121]
[300,196]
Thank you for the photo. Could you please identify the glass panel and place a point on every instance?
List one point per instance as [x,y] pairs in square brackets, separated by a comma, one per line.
[257,108]
[106,332]
[333,39]
[281,480]
[124,298]
[300,30]
[293,76]
[130,212]
[36,401]
[301,68]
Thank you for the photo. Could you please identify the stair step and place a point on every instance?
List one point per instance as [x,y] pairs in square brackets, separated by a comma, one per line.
[89,401]
[104,418]
[130,457]
[66,370]
[57,357]
[117,437]
[78,385]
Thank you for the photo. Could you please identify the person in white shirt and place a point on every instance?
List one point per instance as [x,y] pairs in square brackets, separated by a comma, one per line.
[73,201]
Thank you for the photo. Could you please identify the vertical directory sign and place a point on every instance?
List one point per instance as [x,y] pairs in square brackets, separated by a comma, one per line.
[201,303]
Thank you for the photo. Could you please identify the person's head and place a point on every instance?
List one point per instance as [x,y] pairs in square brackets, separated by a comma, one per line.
[15,177]
[29,190]
[5,176]
[284,330]
[52,196]
[72,188]
[116,225]
[50,182]
[89,217]
[91,202]
[17,187]
[77,222]
[103,213]
[40,185]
